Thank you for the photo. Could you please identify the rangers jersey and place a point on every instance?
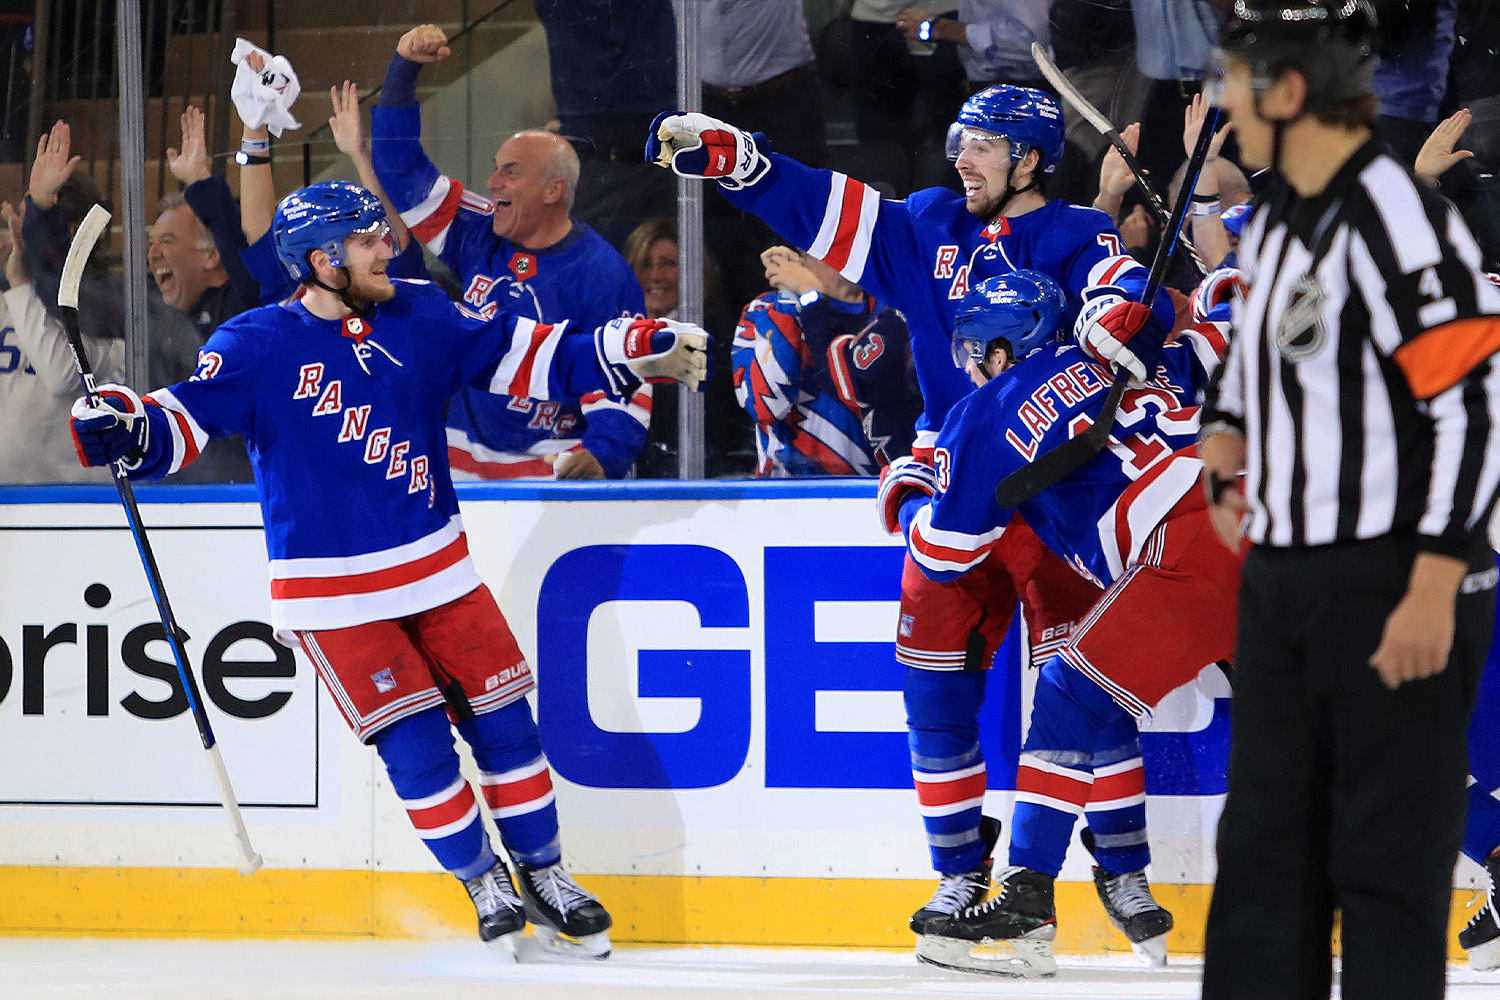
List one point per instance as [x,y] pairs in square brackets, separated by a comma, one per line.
[581,278]
[343,421]
[1098,517]
[922,256]
[825,385]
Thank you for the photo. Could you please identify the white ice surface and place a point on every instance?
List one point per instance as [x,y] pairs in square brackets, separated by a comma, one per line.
[131,969]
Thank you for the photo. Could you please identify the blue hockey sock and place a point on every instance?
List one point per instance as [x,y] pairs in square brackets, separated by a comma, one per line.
[1071,718]
[1116,810]
[423,767]
[516,781]
[942,718]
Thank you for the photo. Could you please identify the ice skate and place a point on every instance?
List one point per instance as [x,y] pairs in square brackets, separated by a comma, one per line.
[569,920]
[1481,937]
[1009,934]
[961,891]
[1131,907]
[501,917]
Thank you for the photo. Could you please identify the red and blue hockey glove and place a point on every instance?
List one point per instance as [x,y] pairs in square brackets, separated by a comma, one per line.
[695,145]
[1119,332]
[655,350]
[117,428]
[899,481]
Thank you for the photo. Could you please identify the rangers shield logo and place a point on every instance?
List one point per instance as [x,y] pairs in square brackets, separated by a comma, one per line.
[385,681]
[1301,332]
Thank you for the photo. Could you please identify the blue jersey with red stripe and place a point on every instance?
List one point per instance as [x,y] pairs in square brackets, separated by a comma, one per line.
[1097,517]
[825,385]
[580,278]
[343,421]
[922,255]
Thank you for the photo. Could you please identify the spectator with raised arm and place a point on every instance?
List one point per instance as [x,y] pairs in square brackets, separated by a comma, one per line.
[38,379]
[518,251]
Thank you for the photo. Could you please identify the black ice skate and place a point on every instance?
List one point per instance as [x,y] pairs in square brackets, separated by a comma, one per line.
[501,917]
[569,919]
[1010,934]
[1481,938]
[1131,907]
[959,892]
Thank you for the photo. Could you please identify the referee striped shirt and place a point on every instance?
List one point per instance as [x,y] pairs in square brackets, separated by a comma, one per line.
[1362,369]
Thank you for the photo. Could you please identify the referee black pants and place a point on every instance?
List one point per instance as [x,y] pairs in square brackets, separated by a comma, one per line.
[1343,796]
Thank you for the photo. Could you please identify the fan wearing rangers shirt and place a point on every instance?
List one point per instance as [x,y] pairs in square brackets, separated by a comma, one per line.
[1132,519]
[922,256]
[516,252]
[339,395]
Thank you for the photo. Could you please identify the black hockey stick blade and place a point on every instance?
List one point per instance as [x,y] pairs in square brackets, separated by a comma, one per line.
[1034,477]
[1106,128]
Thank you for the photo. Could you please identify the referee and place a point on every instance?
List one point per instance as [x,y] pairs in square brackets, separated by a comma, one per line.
[1360,397]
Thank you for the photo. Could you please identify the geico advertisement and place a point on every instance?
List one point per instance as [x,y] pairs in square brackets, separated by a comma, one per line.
[91,706]
[678,646]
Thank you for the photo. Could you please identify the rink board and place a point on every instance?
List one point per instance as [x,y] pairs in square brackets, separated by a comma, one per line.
[717,696]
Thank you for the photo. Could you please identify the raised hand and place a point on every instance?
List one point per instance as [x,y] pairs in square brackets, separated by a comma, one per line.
[346,126]
[1115,177]
[53,165]
[786,273]
[191,164]
[11,246]
[426,43]
[1192,123]
[1437,153]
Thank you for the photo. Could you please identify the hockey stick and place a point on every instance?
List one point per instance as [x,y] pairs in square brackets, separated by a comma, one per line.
[1094,117]
[1030,479]
[67,299]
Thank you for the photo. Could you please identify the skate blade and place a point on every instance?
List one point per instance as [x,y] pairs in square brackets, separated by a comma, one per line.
[589,946]
[506,947]
[1028,957]
[1485,957]
[1152,951]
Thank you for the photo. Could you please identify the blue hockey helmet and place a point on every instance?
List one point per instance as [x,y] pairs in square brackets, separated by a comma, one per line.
[322,217]
[1022,308]
[1027,118]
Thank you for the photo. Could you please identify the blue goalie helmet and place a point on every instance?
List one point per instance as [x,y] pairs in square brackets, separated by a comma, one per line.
[1028,119]
[1022,308]
[322,217]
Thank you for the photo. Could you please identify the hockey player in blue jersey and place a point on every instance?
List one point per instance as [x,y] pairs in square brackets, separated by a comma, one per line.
[339,395]
[921,256]
[1133,519]
[517,251]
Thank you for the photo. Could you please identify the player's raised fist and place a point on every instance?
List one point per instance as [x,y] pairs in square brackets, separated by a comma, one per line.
[695,145]
[425,43]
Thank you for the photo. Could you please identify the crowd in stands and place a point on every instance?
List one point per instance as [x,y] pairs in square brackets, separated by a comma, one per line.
[811,375]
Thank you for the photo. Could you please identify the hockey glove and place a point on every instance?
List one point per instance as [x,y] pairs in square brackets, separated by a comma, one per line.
[898,482]
[654,350]
[1119,332]
[695,145]
[117,428]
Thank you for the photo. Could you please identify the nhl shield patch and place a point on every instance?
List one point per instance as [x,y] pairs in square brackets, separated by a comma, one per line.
[385,681]
[1301,332]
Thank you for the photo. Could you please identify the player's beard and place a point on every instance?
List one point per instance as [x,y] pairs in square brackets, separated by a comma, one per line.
[367,288]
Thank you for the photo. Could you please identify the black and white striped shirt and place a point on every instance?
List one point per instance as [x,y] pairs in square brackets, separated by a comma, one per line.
[1361,369]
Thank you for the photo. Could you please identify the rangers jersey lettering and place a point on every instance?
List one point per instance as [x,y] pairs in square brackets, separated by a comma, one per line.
[344,427]
[1098,517]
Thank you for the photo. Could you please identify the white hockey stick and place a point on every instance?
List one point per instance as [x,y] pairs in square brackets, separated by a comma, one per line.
[1092,115]
[67,299]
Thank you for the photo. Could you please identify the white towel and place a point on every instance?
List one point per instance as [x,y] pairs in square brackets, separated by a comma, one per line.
[264,98]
